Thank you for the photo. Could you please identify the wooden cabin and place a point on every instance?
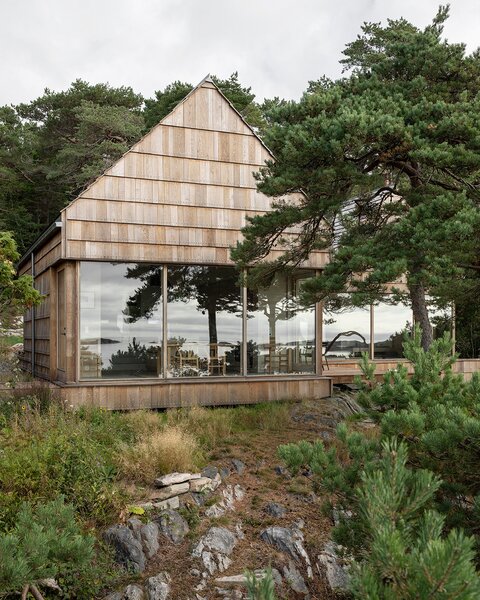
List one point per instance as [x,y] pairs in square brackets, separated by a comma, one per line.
[142,304]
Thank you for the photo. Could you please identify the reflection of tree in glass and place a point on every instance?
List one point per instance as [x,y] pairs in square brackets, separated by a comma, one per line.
[133,360]
[278,302]
[146,299]
[215,289]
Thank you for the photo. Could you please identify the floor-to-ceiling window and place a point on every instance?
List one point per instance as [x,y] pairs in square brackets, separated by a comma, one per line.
[346,330]
[123,307]
[204,317]
[390,322]
[120,320]
[280,331]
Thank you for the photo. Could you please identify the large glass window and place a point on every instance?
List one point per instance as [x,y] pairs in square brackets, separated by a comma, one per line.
[391,321]
[280,332]
[204,311]
[120,320]
[346,330]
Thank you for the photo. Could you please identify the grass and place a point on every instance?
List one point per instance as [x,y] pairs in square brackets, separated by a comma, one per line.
[94,458]
[158,452]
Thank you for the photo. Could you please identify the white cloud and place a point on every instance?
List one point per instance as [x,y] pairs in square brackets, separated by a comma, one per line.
[276,45]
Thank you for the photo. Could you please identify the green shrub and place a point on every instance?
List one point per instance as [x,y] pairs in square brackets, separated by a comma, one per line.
[46,542]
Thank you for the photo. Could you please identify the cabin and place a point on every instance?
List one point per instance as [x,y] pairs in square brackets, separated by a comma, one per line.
[142,303]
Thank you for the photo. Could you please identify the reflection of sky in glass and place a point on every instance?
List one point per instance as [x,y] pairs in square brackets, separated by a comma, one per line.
[350,319]
[390,319]
[104,291]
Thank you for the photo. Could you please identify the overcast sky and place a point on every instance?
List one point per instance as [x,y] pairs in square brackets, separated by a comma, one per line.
[276,45]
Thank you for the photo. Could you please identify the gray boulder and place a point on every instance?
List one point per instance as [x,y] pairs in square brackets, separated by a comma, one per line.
[133,592]
[238,465]
[158,587]
[219,539]
[214,549]
[210,472]
[282,539]
[294,579]
[275,510]
[334,568]
[149,534]
[128,549]
[173,526]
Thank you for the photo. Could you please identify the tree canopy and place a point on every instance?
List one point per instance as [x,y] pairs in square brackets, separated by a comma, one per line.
[388,158]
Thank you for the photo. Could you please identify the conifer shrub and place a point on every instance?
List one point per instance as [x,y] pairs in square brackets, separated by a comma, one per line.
[401,496]
[46,543]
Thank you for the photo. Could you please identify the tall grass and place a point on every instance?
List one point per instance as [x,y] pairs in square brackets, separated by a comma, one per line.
[158,453]
[87,455]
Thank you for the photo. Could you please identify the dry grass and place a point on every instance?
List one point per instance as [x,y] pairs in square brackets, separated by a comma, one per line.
[211,426]
[143,422]
[160,452]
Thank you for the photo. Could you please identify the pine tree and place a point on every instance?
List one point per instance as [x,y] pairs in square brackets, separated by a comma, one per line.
[46,542]
[389,160]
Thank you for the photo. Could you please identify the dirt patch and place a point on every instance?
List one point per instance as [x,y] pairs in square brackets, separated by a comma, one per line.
[263,484]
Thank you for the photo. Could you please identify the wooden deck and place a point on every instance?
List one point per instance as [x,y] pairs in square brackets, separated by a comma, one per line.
[345,371]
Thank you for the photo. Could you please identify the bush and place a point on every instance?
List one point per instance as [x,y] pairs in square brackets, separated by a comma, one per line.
[46,542]
[435,415]
[59,453]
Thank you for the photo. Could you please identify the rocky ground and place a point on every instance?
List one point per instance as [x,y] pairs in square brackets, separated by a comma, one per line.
[201,531]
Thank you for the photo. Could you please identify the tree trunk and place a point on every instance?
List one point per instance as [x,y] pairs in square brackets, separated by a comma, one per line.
[420,314]
[212,330]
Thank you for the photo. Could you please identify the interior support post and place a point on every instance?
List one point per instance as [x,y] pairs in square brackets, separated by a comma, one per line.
[318,335]
[243,292]
[164,322]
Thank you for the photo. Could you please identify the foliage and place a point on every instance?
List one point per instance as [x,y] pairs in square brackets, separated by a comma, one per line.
[53,146]
[261,588]
[16,293]
[405,551]
[394,519]
[388,158]
[242,98]
[46,542]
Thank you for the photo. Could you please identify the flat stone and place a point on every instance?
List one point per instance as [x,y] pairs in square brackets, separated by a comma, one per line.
[336,571]
[173,526]
[174,478]
[294,579]
[210,472]
[127,548]
[217,539]
[133,592]
[158,587]
[114,596]
[198,485]
[238,465]
[170,491]
[275,510]
[170,503]
[236,580]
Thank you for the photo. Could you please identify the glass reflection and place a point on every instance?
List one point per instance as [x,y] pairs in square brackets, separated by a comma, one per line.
[346,330]
[120,320]
[391,321]
[204,321]
[440,318]
[280,332]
